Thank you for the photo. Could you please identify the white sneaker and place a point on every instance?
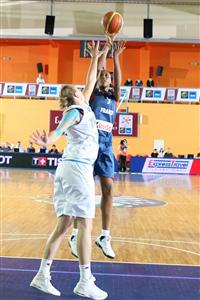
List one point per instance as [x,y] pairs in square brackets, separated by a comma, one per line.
[72,242]
[42,283]
[103,242]
[87,288]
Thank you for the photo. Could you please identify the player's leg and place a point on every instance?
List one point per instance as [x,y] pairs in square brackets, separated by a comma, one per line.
[124,163]
[42,279]
[72,240]
[120,163]
[104,240]
[86,286]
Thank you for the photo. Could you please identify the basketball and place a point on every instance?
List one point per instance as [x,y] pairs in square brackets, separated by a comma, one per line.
[112,22]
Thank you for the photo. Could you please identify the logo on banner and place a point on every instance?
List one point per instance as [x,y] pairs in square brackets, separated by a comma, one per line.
[136,93]
[45,90]
[157,94]
[184,94]
[149,94]
[192,95]
[131,201]
[53,90]
[46,161]
[18,89]
[167,166]
[125,124]
[10,89]
[39,161]
[123,93]
[31,89]
[173,164]
[5,159]
[170,94]
[118,201]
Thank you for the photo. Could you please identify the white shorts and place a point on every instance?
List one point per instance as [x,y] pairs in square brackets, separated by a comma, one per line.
[74,190]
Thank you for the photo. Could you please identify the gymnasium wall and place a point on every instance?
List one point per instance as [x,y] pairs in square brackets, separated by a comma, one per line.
[177,125]
[63,64]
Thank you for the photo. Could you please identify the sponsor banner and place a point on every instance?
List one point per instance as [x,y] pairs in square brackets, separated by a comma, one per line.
[170,94]
[14,89]
[29,160]
[1,88]
[49,90]
[136,93]
[32,89]
[125,92]
[138,164]
[169,166]
[126,124]
[153,94]
[188,95]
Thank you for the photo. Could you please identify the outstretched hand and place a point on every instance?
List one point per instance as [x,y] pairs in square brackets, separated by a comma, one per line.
[93,49]
[119,47]
[39,138]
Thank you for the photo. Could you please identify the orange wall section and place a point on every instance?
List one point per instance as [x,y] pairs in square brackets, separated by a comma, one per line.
[18,62]
[66,61]
[130,65]
[181,64]
[18,59]
[177,125]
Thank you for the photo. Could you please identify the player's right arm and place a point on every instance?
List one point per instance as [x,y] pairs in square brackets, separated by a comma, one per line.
[102,62]
[70,118]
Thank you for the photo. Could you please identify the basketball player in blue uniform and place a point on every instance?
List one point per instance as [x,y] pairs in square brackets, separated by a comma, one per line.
[74,188]
[104,102]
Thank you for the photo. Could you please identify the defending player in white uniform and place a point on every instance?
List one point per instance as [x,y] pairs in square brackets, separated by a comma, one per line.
[74,193]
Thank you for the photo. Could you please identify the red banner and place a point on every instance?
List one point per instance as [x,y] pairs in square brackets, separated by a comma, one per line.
[126,124]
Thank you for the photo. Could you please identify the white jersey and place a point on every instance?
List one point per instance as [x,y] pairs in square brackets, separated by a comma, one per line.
[82,138]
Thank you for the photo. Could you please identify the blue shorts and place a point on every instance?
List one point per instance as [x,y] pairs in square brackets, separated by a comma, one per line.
[105,162]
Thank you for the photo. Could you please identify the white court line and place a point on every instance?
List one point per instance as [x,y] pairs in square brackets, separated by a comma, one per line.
[124,241]
[103,261]
[113,238]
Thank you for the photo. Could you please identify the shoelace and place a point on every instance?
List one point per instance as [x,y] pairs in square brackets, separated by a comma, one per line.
[47,277]
[107,243]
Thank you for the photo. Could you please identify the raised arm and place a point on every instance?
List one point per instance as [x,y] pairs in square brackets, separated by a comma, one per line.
[119,48]
[93,50]
[102,62]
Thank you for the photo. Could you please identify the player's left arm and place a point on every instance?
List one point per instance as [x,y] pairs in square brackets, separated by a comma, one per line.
[118,49]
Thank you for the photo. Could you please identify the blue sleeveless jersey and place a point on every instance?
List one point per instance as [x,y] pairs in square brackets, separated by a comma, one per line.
[103,105]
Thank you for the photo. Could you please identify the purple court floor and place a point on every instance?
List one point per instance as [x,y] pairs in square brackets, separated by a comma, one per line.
[122,281]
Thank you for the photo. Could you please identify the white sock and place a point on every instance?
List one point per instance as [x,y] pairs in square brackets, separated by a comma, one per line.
[45,266]
[74,232]
[85,272]
[105,232]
